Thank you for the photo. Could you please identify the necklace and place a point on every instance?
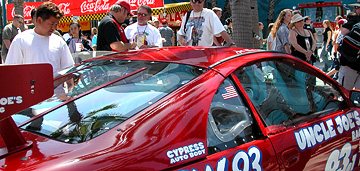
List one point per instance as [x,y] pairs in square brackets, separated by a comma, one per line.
[144,29]
[199,16]
[301,33]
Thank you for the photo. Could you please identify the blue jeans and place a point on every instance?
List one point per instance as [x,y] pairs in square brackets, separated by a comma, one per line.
[325,57]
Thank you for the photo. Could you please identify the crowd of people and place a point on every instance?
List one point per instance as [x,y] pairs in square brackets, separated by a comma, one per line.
[291,33]
[294,34]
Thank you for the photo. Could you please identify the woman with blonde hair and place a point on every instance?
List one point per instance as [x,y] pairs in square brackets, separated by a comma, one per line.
[327,45]
[280,31]
[302,40]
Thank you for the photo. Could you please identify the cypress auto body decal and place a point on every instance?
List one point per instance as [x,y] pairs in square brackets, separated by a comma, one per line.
[250,160]
[186,152]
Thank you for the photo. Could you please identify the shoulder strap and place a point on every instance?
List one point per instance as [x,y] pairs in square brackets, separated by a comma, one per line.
[68,40]
[187,18]
[356,26]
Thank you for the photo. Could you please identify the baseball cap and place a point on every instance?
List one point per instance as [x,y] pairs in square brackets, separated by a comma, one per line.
[126,5]
[164,20]
[342,21]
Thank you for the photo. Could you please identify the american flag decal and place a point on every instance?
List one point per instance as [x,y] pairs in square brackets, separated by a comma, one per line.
[228,92]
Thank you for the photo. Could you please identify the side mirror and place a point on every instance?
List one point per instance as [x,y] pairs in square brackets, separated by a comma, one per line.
[355,98]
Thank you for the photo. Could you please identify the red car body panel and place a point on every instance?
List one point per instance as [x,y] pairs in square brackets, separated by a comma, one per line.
[180,119]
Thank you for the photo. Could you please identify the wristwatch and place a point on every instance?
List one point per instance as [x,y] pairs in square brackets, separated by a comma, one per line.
[232,43]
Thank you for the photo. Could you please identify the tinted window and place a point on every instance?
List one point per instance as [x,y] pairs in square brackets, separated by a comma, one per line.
[230,122]
[286,95]
[120,90]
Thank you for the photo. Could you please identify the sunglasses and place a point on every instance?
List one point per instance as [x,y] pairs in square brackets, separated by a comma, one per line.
[356,7]
[20,22]
[142,14]
[194,1]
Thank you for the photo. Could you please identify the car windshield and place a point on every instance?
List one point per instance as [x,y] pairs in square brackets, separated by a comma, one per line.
[101,94]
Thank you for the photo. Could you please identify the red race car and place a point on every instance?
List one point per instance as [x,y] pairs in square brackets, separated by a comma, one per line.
[188,108]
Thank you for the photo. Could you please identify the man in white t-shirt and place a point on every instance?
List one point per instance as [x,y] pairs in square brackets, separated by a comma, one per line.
[144,34]
[201,27]
[39,45]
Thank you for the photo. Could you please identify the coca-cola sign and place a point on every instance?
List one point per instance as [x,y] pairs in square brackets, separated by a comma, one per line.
[65,7]
[82,7]
[137,3]
[91,6]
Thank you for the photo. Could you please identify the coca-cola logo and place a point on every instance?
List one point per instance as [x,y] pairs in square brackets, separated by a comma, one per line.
[142,2]
[65,8]
[27,11]
[94,6]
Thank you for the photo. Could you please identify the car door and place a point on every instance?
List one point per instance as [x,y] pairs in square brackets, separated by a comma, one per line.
[234,139]
[307,117]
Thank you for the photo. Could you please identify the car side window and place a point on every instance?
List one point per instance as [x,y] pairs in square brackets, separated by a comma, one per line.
[230,122]
[284,94]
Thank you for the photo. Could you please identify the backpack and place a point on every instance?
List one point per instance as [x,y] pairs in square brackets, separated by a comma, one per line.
[349,47]
[186,20]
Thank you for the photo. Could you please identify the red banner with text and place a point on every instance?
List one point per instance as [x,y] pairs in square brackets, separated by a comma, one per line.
[81,7]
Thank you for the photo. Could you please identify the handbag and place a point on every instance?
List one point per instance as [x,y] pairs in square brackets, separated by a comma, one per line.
[349,47]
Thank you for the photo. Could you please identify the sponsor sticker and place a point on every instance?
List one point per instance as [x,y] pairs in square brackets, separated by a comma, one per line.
[186,152]
[4,101]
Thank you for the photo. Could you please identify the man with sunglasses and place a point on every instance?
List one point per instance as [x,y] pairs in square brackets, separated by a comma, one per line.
[111,35]
[201,27]
[144,34]
[8,34]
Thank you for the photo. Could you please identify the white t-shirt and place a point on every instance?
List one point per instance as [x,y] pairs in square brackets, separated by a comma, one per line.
[29,47]
[202,27]
[142,34]
[270,40]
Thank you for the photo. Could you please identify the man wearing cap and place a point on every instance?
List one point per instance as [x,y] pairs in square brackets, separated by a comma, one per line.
[143,34]
[111,35]
[201,27]
[167,33]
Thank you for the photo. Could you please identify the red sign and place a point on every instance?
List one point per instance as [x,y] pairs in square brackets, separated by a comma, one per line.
[82,7]
[23,86]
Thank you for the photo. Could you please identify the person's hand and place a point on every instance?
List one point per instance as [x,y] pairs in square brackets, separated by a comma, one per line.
[132,45]
[184,43]
[63,97]
[308,55]
[145,46]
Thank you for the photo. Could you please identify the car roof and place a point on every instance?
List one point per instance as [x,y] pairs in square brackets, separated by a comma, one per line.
[196,56]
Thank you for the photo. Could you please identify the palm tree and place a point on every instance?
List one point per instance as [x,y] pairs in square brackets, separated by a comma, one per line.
[227,11]
[19,9]
[271,12]
[242,23]
[255,21]
[213,3]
